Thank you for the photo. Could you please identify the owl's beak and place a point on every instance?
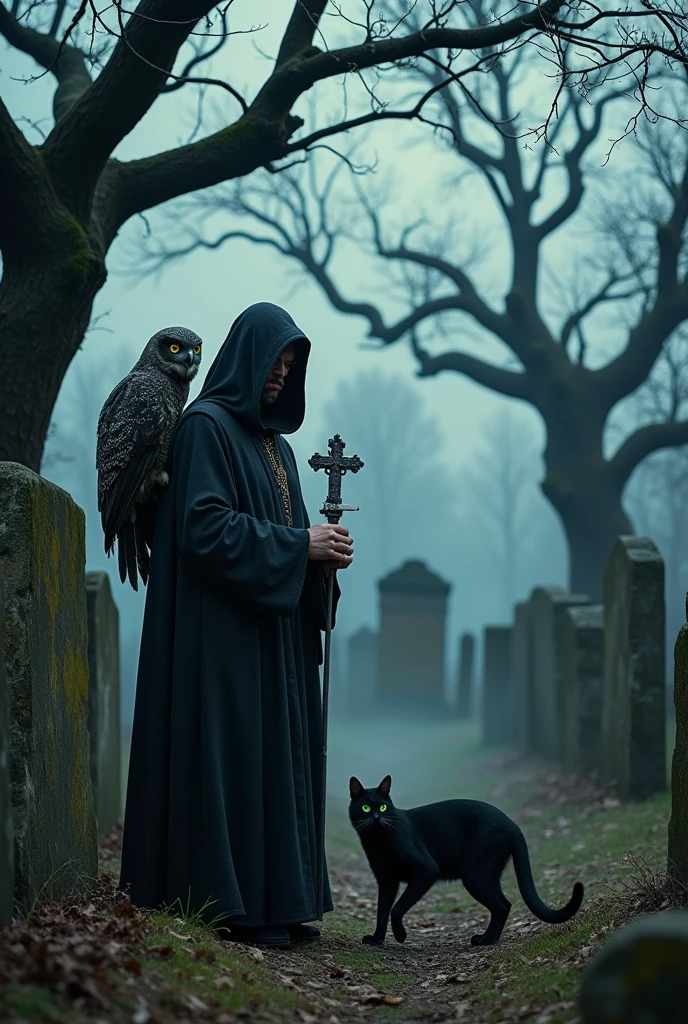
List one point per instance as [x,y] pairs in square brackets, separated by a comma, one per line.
[190,357]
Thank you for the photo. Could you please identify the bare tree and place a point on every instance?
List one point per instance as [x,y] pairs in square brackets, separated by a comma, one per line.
[65,199]
[634,276]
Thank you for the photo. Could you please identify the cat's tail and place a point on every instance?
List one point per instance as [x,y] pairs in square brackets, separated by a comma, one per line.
[524,877]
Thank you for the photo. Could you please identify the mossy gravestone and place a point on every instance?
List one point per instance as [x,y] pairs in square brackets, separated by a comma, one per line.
[104,700]
[582,652]
[6,830]
[548,606]
[677,855]
[522,671]
[641,975]
[42,556]
[634,711]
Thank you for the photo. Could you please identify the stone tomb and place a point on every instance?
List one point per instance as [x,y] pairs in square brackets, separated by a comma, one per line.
[634,712]
[466,676]
[548,606]
[497,711]
[104,700]
[6,830]
[42,556]
[413,611]
[362,671]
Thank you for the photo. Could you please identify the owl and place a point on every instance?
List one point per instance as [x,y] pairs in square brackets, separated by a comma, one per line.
[135,428]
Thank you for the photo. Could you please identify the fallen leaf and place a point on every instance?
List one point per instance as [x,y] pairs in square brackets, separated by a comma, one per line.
[184,938]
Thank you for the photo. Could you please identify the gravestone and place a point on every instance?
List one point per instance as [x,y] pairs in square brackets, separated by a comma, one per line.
[362,670]
[634,711]
[582,650]
[104,700]
[497,712]
[548,606]
[413,611]
[677,854]
[466,675]
[42,557]
[640,976]
[6,830]
[522,678]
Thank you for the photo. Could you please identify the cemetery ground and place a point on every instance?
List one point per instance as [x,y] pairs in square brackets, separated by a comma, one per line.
[96,959]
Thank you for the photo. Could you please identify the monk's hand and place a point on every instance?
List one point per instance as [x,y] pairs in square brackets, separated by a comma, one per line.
[332,545]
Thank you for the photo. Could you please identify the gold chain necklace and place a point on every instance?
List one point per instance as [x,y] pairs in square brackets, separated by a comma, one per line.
[270,445]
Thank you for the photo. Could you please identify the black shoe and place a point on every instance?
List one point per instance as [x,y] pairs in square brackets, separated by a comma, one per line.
[303,932]
[273,937]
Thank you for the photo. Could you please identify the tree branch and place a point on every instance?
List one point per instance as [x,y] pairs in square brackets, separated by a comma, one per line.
[83,140]
[642,443]
[23,194]
[65,62]
[496,378]
[631,367]
[472,303]
[303,23]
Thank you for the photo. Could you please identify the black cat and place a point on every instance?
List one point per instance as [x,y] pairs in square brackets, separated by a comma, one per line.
[453,840]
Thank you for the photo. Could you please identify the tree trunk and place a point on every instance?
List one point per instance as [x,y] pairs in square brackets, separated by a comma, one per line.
[44,312]
[591,523]
[580,486]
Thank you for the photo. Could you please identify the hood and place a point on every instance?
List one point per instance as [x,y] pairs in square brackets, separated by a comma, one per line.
[236,379]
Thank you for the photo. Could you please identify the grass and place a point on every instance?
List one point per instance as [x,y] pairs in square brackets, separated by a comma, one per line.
[190,958]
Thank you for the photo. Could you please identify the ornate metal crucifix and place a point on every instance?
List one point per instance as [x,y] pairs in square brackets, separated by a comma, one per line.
[336,465]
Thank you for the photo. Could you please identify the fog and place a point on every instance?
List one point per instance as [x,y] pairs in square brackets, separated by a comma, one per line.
[453,443]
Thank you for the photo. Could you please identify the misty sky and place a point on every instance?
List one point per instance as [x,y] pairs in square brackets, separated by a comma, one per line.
[206,291]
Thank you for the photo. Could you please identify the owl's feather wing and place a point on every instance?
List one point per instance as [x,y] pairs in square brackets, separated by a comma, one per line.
[131,425]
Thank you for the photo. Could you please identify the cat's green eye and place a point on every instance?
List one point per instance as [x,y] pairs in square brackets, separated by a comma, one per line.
[366,808]
[383,807]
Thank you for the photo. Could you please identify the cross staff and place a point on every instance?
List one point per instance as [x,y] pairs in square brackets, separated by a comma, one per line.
[336,465]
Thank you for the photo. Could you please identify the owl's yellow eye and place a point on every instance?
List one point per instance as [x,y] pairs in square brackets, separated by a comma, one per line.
[383,807]
[174,349]
[197,350]
[366,808]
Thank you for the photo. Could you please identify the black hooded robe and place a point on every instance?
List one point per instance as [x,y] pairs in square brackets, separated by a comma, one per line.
[224,775]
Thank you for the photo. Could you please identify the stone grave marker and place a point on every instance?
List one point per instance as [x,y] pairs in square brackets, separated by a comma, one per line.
[413,611]
[6,829]
[677,853]
[640,974]
[362,671]
[522,678]
[497,712]
[583,668]
[466,676]
[634,694]
[104,700]
[548,606]
[42,556]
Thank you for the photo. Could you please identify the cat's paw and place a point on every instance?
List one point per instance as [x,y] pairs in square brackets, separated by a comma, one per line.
[480,940]
[370,940]
[399,931]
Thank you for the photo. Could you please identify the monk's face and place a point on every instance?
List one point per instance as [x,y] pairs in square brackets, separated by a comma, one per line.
[277,376]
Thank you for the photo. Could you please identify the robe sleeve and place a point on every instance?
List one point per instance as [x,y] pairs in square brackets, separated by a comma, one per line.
[253,561]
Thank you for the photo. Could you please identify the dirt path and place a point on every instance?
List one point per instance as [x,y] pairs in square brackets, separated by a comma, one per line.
[99,960]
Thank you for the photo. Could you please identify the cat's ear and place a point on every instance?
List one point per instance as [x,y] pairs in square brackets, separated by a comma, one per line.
[355,788]
[385,785]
